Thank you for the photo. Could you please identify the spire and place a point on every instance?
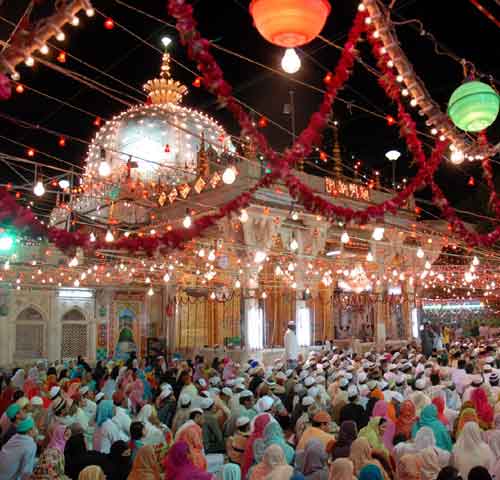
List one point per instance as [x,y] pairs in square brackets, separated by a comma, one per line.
[337,157]
[165,89]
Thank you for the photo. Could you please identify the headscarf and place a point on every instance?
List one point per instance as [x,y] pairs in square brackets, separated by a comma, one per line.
[273,434]
[440,405]
[370,472]
[315,460]
[105,411]
[18,379]
[467,415]
[424,438]
[430,465]
[470,450]
[178,464]
[372,433]
[260,423]
[361,454]
[383,409]
[273,464]
[122,465]
[145,466]
[57,439]
[342,469]
[230,471]
[483,409]
[406,419]
[92,472]
[429,418]
[347,435]
[409,467]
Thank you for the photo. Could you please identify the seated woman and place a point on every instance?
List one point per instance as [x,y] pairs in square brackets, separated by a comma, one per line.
[273,465]
[178,465]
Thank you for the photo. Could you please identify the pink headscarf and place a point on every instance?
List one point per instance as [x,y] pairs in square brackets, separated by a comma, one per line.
[381,409]
[483,408]
[178,465]
[260,423]
[57,439]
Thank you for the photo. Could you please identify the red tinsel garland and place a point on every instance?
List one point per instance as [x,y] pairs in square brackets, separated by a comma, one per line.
[494,200]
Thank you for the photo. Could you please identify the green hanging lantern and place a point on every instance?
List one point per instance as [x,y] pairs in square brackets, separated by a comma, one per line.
[473,106]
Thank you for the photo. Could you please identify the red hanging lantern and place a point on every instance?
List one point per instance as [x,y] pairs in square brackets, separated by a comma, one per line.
[62,142]
[323,156]
[290,23]
[19,88]
[390,120]
[109,23]
[328,78]
[263,122]
[197,82]
[167,148]
[31,152]
[471,182]
[97,121]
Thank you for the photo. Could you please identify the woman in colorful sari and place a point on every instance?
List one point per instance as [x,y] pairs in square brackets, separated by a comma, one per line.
[361,456]
[314,465]
[440,405]
[429,418]
[347,434]
[409,467]
[273,435]
[387,412]
[178,465]
[468,414]
[261,422]
[342,469]
[273,466]
[51,462]
[374,433]
[483,408]
[406,419]
[145,466]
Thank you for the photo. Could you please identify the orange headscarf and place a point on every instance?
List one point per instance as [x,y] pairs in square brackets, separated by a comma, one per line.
[439,402]
[406,419]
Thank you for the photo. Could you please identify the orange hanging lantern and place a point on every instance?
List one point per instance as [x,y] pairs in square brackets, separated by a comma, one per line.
[471,182]
[290,23]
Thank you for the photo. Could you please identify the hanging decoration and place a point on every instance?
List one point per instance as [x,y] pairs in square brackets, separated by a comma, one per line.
[473,106]
[289,23]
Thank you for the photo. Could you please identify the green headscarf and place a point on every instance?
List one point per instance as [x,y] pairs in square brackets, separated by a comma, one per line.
[372,433]
[429,418]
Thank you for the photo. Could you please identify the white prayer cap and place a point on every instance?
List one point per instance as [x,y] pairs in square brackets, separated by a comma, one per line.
[195,410]
[37,401]
[309,381]
[420,384]
[362,376]
[280,376]
[313,391]
[289,372]
[352,391]
[202,382]
[207,403]
[246,394]
[99,397]
[84,390]
[265,404]
[214,381]
[343,382]
[185,400]
[242,421]
[166,392]
[54,391]
[307,400]
[227,391]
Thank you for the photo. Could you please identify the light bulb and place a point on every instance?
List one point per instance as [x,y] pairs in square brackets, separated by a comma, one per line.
[211,256]
[229,175]
[166,277]
[427,265]
[39,189]
[201,252]
[457,157]
[109,236]
[420,253]
[264,295]
[212,296]
[166,41]
[290,62]
[151,292]
[295,216]
[60,37]
[44,50]
[369,257]
[90,12]
[378,233]
[291,267]
[475,261]
[6,265]
[344,237]
[243,216]
[64,184]
[73,262]
[75,21]
[92,237]
[187,222]
[29,62]
[294,245]
[104,169]
[260,256]
[237,284]
[76,283]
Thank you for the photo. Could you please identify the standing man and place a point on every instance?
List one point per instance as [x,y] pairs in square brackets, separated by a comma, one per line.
[291,346]
[427,340]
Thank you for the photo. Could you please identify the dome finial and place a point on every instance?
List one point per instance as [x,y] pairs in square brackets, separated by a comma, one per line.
[164,89]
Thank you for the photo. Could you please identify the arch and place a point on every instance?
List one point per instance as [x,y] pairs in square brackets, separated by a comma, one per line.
[74,334]
[30,333]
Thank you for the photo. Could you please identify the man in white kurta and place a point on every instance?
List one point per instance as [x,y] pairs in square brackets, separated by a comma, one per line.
[291,346]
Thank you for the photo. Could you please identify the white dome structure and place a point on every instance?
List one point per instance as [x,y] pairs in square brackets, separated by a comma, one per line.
[148,147]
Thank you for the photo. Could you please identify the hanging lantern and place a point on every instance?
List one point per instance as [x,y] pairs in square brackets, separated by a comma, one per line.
[471,182]
[289,23]
[473,106]
[197,82]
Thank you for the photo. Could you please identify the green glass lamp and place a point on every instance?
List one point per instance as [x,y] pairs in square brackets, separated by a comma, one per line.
[473,106]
